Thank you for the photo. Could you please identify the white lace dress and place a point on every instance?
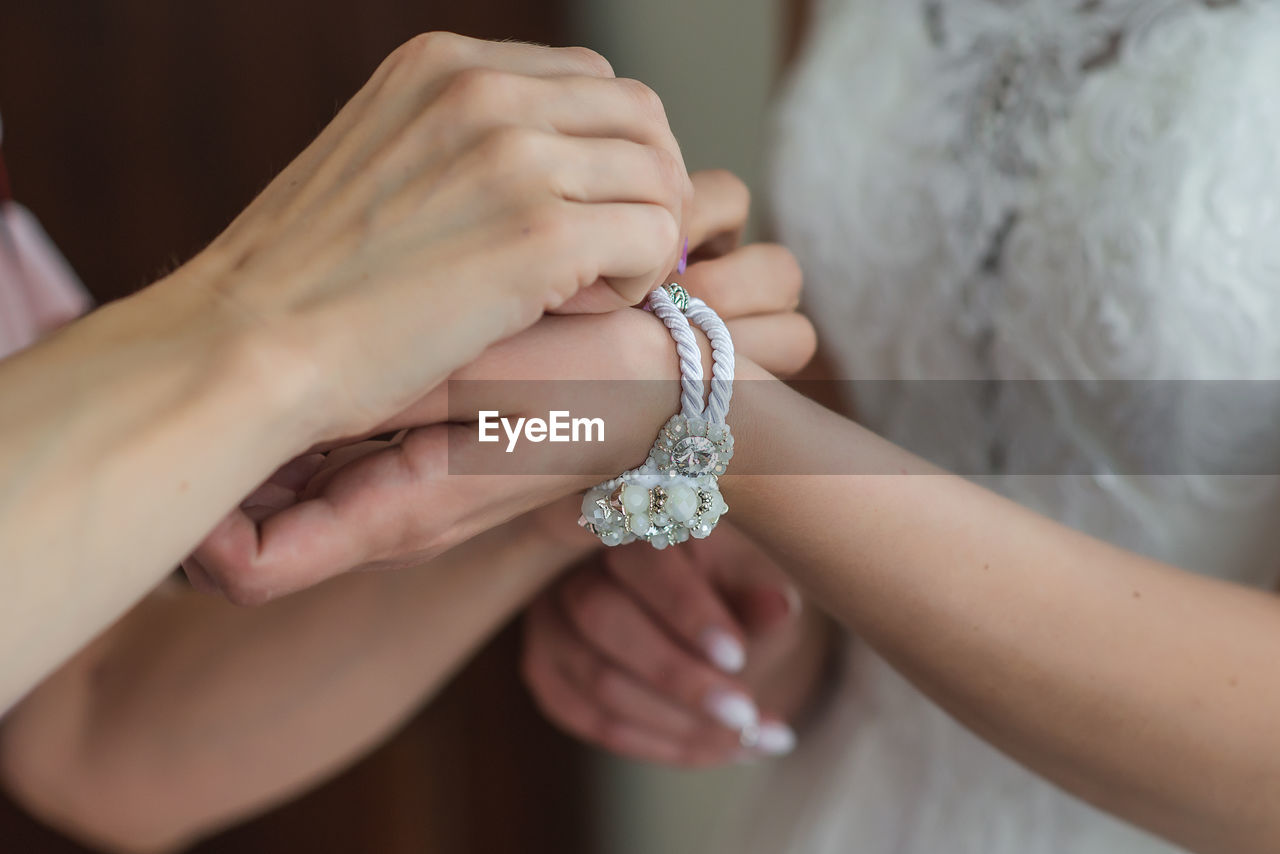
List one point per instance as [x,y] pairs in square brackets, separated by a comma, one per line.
[1034,190]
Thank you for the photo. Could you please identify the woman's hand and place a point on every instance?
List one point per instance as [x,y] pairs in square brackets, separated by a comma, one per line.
[416,497]
[693,655]
[469,187]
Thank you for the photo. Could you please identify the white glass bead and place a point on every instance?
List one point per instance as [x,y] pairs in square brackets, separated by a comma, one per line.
[638,523]
[682,502]
[611,538]
[635,499]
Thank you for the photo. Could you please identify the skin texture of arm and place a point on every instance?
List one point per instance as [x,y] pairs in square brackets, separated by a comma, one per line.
[1149,691]
[191,713]
[120,399]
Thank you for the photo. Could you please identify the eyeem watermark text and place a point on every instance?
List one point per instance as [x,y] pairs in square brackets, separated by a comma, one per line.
[559,426]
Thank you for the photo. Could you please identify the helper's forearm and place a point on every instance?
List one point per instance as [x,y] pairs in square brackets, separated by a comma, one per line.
[192,712]
[123,439]
[1150,691]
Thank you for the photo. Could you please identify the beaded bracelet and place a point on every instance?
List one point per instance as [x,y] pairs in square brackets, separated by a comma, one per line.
[675,494]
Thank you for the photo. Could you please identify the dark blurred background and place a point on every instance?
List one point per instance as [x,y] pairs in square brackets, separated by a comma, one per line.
[137,129]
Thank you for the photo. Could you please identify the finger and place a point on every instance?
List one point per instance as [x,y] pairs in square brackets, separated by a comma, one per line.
[370,513]
[482,99]
[355,519]
[683,599]
[762,278]
[550,642]
[782,344]
[627,247]
[334,462]
[615,170]
[721,205]
[564,706]
[570,708]
[441,52]
[418,71]
[606,617]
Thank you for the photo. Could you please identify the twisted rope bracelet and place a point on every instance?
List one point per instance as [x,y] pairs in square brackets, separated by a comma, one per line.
[675,494]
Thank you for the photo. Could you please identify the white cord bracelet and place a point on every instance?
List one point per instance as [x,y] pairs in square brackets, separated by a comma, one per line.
[675,494]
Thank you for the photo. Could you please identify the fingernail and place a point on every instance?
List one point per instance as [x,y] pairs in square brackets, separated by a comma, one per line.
[775,739]
[732,708]
[724,650]
[684,258]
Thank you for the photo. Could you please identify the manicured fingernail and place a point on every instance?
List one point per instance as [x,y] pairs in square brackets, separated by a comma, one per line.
[684,258]
[724,650]
[775,739]
[732,708]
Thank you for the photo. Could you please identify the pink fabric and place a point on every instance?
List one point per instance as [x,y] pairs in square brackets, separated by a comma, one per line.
[38,289]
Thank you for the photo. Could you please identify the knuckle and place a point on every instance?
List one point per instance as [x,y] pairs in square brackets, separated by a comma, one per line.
[671,172]
[475,92]
[431,50]
[665,232]
[645,99]
[516,147]
[589,60]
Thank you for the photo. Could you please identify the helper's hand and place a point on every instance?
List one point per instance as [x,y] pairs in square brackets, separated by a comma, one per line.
[672,656]
[402,505]
[468,188]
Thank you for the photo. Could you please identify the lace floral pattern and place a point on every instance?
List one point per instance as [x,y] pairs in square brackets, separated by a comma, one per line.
[1001,190]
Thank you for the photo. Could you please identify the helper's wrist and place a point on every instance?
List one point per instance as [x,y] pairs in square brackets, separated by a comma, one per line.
[271,379]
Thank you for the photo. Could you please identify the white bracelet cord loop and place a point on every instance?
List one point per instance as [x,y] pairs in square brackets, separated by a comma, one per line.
[686,348]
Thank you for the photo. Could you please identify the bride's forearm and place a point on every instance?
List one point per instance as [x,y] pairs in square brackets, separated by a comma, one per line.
[161,390]
[1147,690]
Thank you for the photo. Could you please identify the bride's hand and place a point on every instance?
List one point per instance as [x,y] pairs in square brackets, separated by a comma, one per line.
[409,500]
[695,655]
